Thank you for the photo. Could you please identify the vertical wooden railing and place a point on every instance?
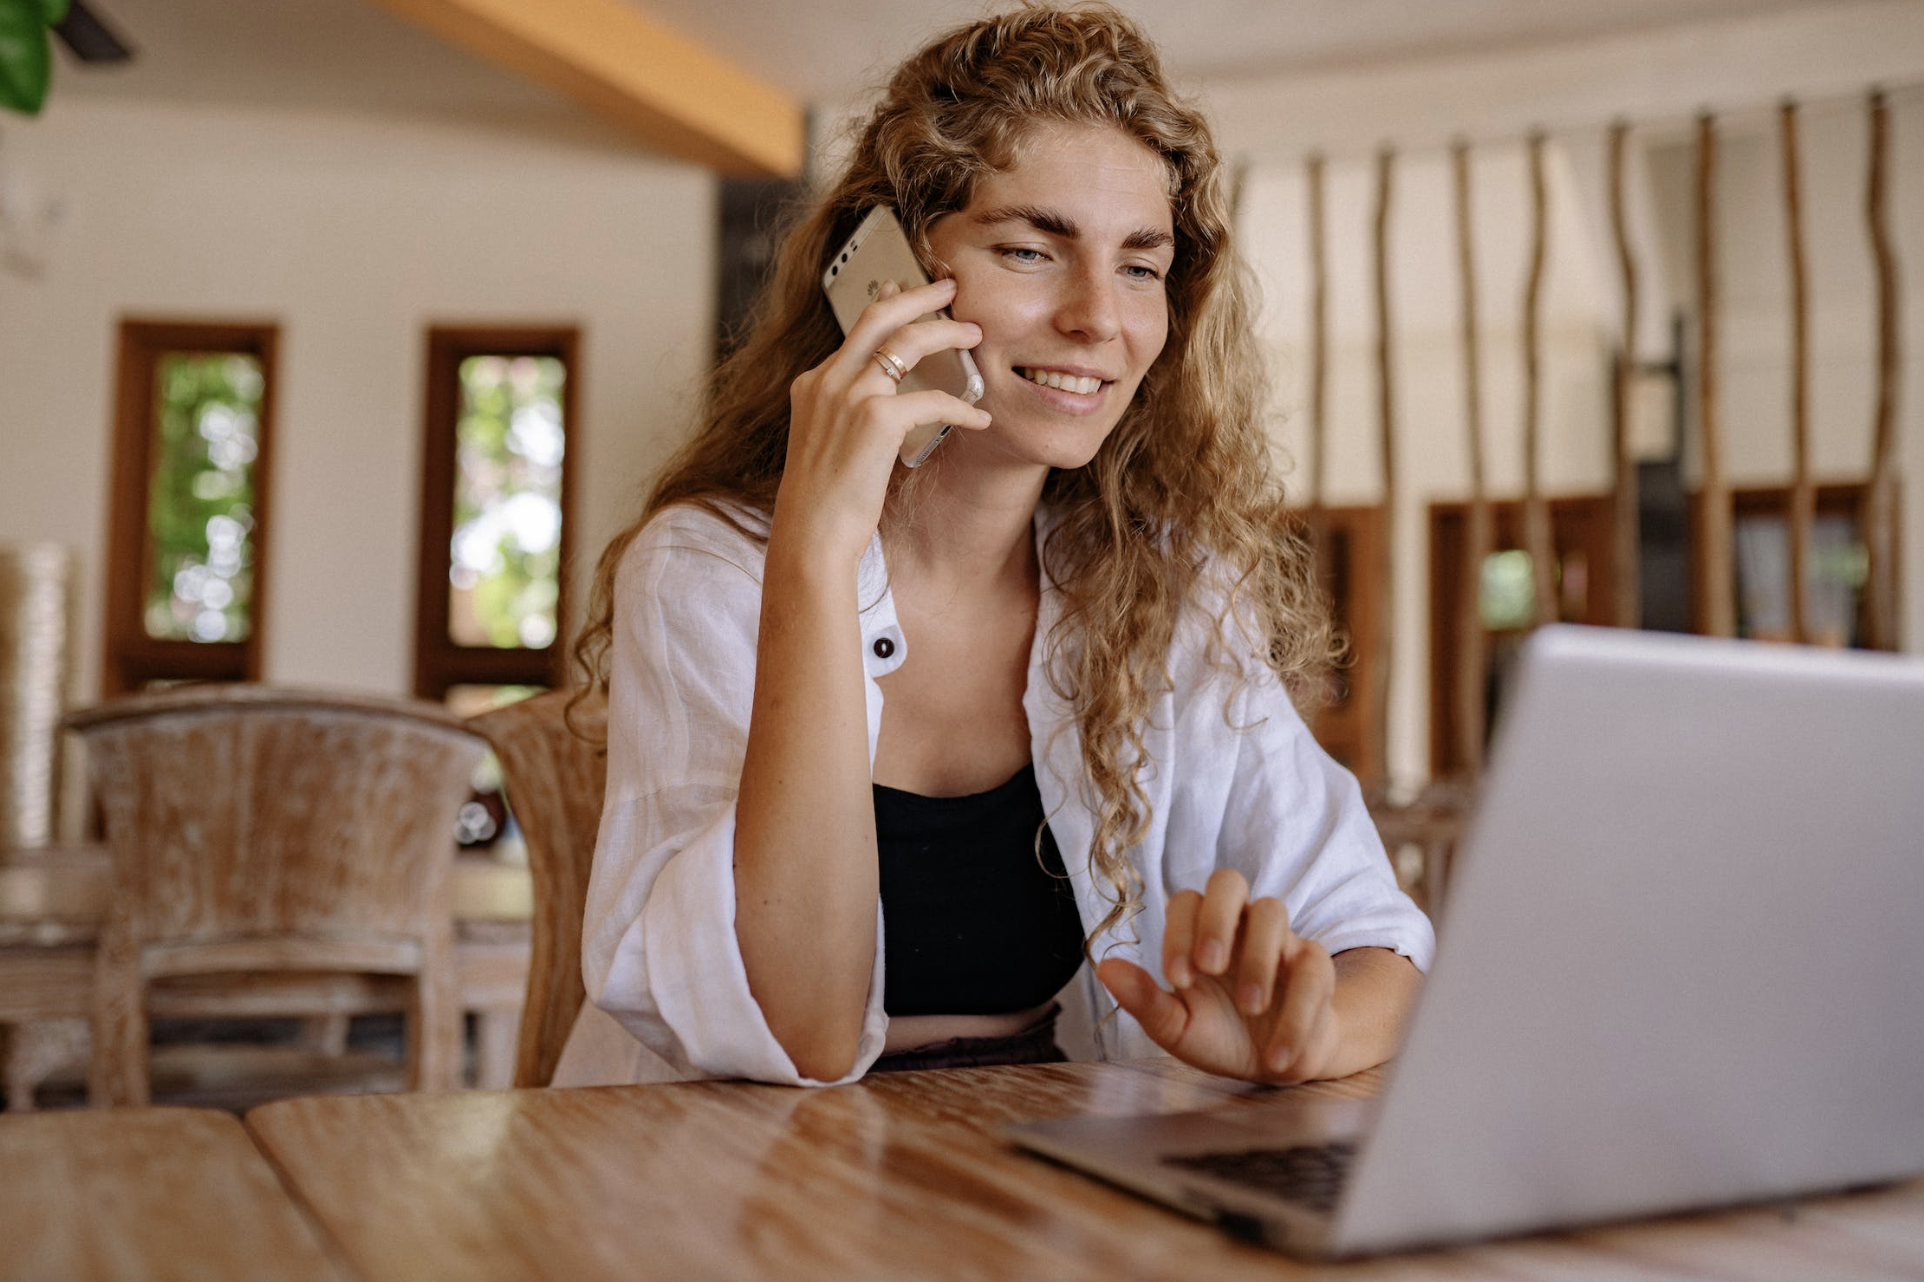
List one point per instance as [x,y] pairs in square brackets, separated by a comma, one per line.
[1318,348]
[1803,495]
[1715,586]
[1537,535]
[1880,516]
[1472,658]
[1386,427]
[1627,602]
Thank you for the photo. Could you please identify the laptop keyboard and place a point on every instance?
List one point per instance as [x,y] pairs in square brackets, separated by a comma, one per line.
[1309,1174]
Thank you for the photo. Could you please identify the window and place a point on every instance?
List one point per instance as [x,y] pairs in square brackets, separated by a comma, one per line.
[185,574]
[495,527]
[1347,543]
[1839,564]
[1506,598]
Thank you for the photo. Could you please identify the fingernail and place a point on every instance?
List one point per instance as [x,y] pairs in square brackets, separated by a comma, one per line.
[1250,998]
[1279,1058]
[1178,975]
[888,289]
[1214,957]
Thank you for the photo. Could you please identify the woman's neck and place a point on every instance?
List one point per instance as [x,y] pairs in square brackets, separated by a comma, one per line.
[965,526]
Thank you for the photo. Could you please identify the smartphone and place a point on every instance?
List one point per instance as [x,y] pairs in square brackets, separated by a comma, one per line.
[878,251]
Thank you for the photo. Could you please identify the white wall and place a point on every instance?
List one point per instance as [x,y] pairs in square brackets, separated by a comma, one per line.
[353,234]
[1828,55]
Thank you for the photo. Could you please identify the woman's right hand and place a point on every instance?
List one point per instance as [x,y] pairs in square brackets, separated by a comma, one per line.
[847,422]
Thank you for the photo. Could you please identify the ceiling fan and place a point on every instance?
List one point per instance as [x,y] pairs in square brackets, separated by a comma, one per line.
[90,39]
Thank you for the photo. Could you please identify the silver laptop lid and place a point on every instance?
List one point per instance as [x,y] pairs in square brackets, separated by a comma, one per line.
[1680,963]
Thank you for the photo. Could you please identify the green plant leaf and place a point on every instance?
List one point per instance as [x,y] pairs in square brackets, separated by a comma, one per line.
[26,61]
[51,11]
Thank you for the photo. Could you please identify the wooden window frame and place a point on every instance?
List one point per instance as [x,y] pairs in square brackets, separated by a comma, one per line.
[439,662]
[1347,569]
[1846,498]
[132,659]
[1578,523]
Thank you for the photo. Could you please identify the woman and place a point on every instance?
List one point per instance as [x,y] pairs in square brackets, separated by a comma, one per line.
[887,747]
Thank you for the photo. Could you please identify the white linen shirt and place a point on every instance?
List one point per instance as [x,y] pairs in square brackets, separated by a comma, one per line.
[1235,780]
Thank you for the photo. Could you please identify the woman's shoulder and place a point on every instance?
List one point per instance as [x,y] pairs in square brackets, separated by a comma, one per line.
[698,534]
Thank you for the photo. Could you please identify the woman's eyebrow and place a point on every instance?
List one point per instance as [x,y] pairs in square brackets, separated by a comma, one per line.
[1051,223]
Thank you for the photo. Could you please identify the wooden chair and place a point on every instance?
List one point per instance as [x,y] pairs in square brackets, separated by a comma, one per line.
[275,852]
[555,775]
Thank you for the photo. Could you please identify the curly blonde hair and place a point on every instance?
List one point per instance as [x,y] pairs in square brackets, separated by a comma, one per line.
[1182,484]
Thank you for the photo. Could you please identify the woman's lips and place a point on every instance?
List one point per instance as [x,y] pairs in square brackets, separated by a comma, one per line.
[1062,380]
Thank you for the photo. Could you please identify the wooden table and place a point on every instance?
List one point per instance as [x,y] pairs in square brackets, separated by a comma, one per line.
[148,1193]
[898,1177]
[52,903]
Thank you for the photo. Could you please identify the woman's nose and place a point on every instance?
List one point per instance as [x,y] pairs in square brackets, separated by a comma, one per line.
[1089,308]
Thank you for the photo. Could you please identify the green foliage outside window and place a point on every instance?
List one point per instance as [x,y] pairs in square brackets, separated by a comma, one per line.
[26,56]
[200,508]
[505,560]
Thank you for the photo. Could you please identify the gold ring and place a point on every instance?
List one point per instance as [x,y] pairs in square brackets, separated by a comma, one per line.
[891,364]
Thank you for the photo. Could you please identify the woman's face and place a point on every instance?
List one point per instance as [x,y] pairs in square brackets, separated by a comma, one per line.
[1062,259]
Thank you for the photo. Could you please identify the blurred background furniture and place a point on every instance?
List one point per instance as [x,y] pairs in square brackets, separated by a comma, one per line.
[554,766]
[52,903]
[275,852]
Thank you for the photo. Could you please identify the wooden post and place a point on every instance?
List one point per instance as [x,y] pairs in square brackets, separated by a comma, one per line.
[1716,604]
[1537,536]
[1318,346]
[1386,424]
[1472,649]
[1880,506]
[1625,548]
[1803,496]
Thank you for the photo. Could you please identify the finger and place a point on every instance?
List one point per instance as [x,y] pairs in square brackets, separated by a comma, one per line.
[1161,1013]
[906,409]
[888,312]
[1309,980]
[1219,919]
[920,339]
[1265,928]
[1178,937]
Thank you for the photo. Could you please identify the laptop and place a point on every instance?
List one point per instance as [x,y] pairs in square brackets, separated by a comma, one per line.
[1681,966]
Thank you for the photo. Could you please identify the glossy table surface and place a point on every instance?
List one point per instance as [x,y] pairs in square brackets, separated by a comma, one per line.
[148,1193]
[899,1177]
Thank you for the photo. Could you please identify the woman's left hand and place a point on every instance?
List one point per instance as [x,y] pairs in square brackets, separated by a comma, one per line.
[1252,998]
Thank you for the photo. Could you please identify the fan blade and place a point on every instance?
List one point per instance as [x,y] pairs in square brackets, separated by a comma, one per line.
[90,39]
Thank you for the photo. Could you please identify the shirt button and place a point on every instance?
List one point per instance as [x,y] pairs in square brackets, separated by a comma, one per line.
[883,647]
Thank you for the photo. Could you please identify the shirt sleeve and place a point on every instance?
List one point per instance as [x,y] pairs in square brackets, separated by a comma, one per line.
[1296,823]
[659,951]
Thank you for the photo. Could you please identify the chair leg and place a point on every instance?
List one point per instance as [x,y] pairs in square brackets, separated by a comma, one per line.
[325,1034]
[36,1050]
[118,1073]
[434,1036]
[497,1035]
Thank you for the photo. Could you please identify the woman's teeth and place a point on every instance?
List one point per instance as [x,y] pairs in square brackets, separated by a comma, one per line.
[1062,382]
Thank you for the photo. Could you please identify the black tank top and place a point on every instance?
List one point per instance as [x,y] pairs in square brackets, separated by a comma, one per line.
[973,921]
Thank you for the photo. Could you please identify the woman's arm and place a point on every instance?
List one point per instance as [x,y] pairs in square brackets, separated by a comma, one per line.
[805,858]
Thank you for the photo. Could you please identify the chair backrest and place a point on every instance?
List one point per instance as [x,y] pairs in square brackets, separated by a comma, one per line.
[556,774]
[251,812]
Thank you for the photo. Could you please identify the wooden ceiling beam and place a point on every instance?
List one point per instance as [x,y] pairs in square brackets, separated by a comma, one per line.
[624,66]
